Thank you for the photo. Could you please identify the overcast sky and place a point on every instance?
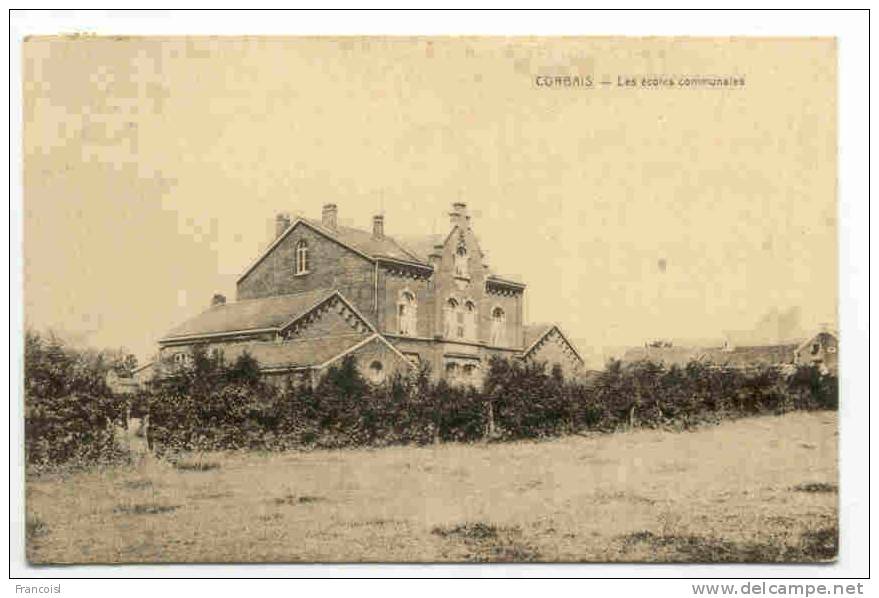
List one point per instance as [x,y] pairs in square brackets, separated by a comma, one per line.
[154,168]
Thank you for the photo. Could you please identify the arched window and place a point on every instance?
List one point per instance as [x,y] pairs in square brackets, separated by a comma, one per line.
[470,315]
[301,266]
[450,319]
[498,327]
[407,314]
[376,371]
[461,262]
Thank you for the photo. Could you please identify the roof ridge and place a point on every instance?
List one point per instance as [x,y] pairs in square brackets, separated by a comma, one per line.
[344,227]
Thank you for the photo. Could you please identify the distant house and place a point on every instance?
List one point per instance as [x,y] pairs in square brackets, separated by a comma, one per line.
[820,350]
[736,357]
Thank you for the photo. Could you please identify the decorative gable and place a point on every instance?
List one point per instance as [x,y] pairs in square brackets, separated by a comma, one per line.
[552,345]
[333,317]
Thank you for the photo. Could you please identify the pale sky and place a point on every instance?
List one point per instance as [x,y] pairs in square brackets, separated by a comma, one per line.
[154,168]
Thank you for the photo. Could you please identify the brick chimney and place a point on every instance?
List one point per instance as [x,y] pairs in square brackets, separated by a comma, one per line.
[282,223]
[378,226]
[330,216]
[458,216]
[218,299]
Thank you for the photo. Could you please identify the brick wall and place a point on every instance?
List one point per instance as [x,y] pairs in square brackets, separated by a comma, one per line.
[391,284]
[553,349]
[378,351]
[448,285]
[331,266]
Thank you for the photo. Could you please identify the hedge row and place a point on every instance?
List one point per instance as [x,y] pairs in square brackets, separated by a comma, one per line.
[71,416]
[211,407]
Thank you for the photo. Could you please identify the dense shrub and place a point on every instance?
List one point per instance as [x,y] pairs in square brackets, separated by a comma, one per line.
[70,413]
[207,407]
[211,405]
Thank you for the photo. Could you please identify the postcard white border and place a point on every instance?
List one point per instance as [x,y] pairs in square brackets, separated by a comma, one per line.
[849,27]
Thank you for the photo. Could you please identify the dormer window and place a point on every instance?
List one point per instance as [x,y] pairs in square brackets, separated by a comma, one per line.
[461,262]
[301,265]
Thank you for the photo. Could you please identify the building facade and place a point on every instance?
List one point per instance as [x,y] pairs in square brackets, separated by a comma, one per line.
[321,291]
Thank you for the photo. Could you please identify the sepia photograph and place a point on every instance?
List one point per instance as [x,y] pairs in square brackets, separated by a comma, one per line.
[430,299]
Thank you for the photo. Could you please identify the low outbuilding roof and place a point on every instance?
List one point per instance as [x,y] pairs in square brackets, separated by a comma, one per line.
[267,313]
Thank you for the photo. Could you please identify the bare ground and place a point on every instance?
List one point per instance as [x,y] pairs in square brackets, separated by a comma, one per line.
[755,490]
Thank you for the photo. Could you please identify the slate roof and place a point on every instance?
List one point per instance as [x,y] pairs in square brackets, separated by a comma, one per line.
[364,242]
[422,246]
[532,332]
[738,357]
[298,353]
[250,314]
[757,355]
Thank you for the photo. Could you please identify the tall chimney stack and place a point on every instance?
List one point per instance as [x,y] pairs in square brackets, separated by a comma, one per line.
[330,216]
[282,223]
[378,226]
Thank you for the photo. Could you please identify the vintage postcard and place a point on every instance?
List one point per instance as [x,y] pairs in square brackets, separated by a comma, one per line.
[430,299]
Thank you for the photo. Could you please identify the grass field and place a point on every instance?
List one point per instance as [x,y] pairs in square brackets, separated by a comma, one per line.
[760,489]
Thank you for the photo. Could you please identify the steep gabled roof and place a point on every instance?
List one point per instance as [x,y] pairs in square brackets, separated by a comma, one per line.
[412,250]
[535,333]
[359,241]
[269,314]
